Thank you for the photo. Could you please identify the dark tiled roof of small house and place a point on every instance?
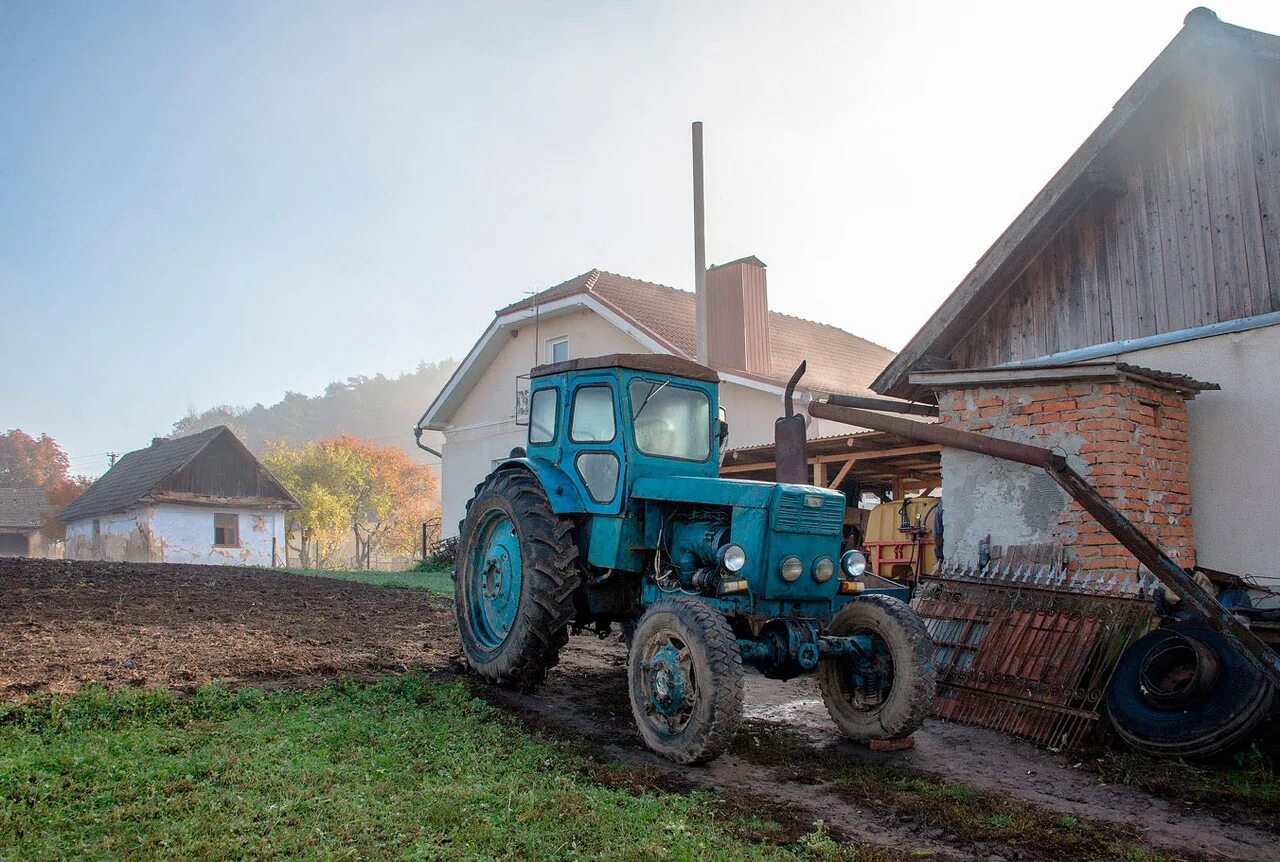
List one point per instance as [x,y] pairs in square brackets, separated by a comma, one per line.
[24,508]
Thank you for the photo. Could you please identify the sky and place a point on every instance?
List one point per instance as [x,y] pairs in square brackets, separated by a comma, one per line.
[205,203]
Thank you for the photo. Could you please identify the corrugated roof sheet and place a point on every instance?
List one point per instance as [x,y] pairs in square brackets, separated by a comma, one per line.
[137,473]
[23,507]
[839,361]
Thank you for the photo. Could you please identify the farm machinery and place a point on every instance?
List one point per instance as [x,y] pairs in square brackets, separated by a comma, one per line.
[614,514]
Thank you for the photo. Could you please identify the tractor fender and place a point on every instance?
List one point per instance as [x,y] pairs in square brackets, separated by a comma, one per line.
[564,497]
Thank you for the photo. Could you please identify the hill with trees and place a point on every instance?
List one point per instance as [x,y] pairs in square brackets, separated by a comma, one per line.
[379,409]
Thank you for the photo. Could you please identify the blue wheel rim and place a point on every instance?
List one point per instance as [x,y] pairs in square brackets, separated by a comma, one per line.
[494,576]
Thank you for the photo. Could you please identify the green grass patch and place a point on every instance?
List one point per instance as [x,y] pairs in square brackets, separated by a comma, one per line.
[432,580]
[963,812]
[1245,784]
[409,767]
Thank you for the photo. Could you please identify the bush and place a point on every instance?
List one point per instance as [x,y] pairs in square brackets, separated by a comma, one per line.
[445,556]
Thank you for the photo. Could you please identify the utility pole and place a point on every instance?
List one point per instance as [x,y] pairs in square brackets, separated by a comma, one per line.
[699,246]
[111,457]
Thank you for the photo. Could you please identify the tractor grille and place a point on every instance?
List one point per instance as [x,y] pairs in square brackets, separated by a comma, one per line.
[798,514]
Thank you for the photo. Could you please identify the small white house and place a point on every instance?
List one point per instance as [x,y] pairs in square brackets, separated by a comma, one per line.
[203,498]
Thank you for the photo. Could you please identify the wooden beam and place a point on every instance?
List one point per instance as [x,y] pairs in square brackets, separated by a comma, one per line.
[844,471]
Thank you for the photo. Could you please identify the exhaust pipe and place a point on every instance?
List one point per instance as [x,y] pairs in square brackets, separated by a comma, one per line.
[790,457]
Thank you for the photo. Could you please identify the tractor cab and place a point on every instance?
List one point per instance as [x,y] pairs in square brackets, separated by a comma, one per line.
[608,421]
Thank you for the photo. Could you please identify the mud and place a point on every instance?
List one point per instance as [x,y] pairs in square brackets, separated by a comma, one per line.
[65,625]
[586,698]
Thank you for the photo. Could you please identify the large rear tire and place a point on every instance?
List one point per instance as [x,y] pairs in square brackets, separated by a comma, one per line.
[887,694]
[516,577]
[684,673]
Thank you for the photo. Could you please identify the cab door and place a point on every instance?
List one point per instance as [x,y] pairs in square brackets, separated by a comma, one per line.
[593,444]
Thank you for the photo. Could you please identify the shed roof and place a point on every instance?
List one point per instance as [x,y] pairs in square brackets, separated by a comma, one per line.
[23,508]
[1202,33]
[139,473]
[1006,375]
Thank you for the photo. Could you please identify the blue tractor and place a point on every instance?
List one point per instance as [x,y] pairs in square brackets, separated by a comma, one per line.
[615,513]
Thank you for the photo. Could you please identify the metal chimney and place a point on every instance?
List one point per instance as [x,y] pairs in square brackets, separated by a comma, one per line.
[699,246]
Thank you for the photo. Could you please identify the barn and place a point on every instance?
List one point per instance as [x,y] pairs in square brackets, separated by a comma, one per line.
[203,498]
[23,512]
[1130,318]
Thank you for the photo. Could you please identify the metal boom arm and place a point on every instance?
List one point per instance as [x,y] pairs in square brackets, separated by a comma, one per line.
[1125,531]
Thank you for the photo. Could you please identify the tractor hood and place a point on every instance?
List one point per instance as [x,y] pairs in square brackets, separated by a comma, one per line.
[743,493]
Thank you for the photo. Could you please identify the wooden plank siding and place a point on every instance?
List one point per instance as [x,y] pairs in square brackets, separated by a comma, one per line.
[1190,235]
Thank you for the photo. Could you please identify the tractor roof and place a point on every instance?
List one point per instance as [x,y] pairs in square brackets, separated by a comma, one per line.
[656,363]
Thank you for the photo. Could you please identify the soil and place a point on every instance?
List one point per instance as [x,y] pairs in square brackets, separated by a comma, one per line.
[585,697]
[65,625]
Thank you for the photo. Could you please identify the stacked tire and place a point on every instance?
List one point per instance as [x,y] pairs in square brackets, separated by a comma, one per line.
[1183,691]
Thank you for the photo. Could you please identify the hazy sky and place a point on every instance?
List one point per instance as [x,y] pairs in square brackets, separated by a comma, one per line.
[218,202]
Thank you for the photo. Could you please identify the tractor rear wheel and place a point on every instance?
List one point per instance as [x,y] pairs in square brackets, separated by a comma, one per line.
[887,692]
[516,577]
[684,672]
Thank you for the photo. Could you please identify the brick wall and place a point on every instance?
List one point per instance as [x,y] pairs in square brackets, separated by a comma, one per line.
[1128,438]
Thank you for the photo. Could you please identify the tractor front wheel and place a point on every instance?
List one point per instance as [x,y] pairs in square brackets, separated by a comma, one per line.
[885,690]
[516,577]
[684,672]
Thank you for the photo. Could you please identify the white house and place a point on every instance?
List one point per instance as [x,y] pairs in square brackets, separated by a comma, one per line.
[754,350]
[197,499]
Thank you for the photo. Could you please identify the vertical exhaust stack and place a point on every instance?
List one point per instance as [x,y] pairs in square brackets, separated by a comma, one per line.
[699,246]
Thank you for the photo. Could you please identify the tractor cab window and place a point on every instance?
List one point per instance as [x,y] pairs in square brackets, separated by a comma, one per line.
[592,414]
[671,421]
[542,417]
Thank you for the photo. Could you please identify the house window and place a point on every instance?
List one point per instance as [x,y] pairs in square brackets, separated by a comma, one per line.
[557,349]
[226,530]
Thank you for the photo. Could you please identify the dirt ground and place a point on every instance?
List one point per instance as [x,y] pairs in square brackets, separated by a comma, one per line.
[65,625]
[586,697]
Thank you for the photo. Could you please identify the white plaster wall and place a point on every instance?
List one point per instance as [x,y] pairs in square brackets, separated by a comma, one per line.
[184,534]
[123,536]
[1235,446]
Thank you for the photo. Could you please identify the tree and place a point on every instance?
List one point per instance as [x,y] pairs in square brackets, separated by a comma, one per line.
[31,462]
[346,484]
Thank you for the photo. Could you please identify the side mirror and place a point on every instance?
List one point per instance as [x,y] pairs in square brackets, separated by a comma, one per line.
[723,433]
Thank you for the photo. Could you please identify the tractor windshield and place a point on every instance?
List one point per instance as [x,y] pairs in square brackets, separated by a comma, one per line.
[671,421]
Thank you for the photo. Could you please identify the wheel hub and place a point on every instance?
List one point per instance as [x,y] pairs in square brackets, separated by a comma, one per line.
[667,681]
[493,580]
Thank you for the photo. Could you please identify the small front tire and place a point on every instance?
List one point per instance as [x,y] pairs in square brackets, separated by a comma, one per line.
[889,693]
[684,673]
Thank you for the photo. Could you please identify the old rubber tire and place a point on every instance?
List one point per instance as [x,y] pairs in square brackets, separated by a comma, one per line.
[684,673]
[516,577]
[1213,721]
[904,658]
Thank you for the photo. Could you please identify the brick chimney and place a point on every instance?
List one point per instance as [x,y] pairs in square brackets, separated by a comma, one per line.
[738,316]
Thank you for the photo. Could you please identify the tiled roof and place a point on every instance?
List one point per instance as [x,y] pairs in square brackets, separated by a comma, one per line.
[23,507]
[137,473]
[839,361]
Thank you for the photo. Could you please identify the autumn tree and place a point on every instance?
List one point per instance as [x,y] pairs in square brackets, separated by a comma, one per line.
[39,462]
[375,493]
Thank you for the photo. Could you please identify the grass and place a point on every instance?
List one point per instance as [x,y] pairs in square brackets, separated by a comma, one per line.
[961,811]
[1245,785]
[433,580]
[410,767]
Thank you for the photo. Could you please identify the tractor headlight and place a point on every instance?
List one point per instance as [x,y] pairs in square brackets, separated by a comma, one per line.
[791,569]
[854,563]
[732,558]
[823,569]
